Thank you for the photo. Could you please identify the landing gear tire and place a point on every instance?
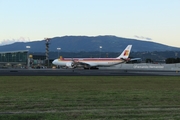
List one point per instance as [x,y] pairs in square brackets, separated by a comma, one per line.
[92,68]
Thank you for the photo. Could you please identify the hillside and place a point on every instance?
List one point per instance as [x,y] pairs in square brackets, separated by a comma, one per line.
[85,43]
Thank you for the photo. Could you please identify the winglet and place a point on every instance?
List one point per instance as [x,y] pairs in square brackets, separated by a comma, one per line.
[125,53]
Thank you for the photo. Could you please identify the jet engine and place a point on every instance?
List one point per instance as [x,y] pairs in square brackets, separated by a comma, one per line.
[70,65]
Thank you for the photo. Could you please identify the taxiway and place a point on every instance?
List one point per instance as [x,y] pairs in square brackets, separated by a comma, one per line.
[82,72]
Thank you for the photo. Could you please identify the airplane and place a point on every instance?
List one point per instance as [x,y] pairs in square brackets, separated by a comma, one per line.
[93,63]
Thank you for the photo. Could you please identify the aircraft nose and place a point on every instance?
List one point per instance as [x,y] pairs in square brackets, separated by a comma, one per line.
[54,62]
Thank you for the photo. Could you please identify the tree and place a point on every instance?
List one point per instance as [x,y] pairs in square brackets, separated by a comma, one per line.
[173,60]
[148,60]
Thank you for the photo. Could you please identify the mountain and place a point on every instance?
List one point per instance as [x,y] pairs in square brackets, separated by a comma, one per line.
[85,43]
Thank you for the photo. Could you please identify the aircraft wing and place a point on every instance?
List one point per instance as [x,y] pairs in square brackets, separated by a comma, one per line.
[135,59]
[86,63]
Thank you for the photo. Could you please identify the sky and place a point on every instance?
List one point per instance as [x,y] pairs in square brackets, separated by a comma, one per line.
[150,20]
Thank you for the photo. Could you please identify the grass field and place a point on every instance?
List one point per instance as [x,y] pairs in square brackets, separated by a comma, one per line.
[89,97]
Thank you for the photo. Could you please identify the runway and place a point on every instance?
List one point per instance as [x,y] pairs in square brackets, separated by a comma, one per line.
[82,72]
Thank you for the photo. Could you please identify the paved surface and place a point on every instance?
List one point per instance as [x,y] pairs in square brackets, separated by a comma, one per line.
[82,72]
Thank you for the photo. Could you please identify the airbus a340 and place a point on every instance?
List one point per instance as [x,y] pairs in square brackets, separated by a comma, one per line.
[93,63]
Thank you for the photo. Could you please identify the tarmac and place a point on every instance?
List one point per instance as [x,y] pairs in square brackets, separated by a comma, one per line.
[142,69]
[82,72]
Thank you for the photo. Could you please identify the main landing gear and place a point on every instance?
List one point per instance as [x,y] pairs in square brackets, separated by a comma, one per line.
[94,68]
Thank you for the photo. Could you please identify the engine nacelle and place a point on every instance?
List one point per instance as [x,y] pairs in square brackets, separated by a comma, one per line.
[69,65]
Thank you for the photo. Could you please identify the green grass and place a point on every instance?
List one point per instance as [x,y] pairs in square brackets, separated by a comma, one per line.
[89,97]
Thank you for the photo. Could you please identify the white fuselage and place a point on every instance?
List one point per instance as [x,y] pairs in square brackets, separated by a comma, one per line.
[92,62]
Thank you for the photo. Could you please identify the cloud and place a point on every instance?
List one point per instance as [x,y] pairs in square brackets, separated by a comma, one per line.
[142,37]
[10,41]
[148,38]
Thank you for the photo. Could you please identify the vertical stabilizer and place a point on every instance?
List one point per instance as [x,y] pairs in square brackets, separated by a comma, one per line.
[125,53]
[61,58]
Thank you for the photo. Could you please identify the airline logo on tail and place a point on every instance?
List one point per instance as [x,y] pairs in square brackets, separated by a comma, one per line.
[61,58]
[126,53]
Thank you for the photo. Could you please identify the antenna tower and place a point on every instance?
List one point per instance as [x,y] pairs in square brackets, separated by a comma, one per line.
[47,50]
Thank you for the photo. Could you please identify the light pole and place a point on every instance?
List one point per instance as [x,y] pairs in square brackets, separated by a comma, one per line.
[58,51]
[28,59]
[28,47]
[100,47]
[176,55]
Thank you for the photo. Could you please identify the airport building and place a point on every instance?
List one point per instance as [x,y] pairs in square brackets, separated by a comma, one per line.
[13,59]
[21,59]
